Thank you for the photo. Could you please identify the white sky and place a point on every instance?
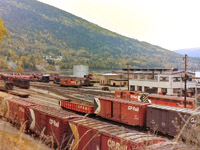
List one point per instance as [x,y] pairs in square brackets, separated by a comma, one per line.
[171,24]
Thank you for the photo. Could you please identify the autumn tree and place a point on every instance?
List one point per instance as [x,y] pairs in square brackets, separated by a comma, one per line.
[3,31]
[19,69]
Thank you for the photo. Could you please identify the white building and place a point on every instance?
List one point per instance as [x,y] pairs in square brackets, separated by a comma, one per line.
[167,82]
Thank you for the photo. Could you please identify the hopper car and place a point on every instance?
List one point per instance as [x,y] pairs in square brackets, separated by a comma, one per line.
[49,122]
[90,134]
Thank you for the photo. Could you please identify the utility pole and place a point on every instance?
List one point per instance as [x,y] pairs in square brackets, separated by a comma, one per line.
[128,74]
[185,80]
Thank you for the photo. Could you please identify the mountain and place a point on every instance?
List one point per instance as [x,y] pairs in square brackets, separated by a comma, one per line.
[37,30]
[191,52]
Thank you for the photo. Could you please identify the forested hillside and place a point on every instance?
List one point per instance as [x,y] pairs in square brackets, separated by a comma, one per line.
[37,30]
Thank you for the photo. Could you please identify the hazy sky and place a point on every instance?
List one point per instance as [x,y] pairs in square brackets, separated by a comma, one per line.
[171,24]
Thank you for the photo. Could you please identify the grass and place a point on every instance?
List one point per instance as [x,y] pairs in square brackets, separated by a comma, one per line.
[12,141]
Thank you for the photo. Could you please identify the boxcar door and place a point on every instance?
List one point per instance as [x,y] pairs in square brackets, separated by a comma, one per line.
[164,121]
[108,109]
[116,111]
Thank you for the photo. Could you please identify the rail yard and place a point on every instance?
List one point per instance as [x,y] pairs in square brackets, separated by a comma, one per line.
[59,113]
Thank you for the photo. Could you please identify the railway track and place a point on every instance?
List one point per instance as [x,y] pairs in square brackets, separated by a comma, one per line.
[77,94]
[50,94]
[42,97]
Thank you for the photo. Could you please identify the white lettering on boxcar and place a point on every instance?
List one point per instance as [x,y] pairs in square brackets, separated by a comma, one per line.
[133,108]
[116,145]
[51,121]
[134,96]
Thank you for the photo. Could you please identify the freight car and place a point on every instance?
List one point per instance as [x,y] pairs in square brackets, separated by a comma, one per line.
[67,129]
[155,98]
[90,134]
[124,111]
[52,123]
[155,117]
[77,106]
[170,120]
[22,83]
[48,122]
[6,83]
[71,82]
[171,101]
[18,111]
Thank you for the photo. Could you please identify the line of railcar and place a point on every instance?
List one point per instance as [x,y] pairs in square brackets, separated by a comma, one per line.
[165,119]
[66,130]
[22,81]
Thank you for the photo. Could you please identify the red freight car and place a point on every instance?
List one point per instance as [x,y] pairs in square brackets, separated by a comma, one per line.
[170,120]
[124,111]
[77,106]
[71,82]
[22,83]
[171,100]
[155,98]
[18,111]
[52,122]
[131,95]
[90,134]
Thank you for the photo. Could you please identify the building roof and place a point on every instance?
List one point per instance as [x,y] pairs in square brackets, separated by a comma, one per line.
[110,74]
[151,69]
[119,79]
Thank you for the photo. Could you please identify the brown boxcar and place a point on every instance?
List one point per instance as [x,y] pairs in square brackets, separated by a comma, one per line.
[124,111]
[77,106]
[22,83]
[18,111]
[90,134]
[169,120]
[51,122]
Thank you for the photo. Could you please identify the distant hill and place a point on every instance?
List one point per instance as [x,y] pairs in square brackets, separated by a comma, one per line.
[37,30]
[192,52]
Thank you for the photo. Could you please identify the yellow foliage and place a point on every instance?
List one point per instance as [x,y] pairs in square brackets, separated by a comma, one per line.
[3,31]
[11,141]
[19,69]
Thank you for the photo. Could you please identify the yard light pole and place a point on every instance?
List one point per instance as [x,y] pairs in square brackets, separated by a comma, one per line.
[185,80]
[128,74]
